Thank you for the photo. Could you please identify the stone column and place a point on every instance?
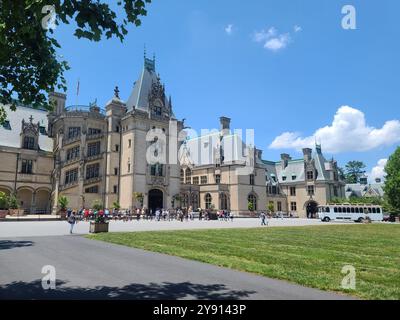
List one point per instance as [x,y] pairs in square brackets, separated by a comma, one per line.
[33,203]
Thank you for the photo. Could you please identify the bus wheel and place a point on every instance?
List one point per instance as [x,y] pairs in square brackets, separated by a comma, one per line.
[326,219]
[360,220]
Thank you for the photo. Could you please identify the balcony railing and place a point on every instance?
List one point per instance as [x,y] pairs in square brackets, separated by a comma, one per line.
[94,136]
[69,185]
[92,180]
[71,140]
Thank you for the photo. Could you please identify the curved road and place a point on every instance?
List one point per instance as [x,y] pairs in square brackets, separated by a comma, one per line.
[87,269]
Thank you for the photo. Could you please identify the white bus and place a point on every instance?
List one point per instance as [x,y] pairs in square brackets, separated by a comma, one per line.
[350,212]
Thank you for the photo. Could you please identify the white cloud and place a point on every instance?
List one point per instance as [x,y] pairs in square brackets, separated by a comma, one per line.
[348,132]
[278,43]
[272,39]
[229,29]
[297,28]
[378,171]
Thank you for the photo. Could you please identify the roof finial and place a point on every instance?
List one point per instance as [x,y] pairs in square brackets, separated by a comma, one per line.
[31,118]
[116,92]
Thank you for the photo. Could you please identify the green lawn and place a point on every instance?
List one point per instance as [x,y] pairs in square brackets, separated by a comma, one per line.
[311,256]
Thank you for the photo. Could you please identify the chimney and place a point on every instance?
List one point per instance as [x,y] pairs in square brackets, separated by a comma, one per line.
[307,152]
[285,159]
[225,123]
[57,100]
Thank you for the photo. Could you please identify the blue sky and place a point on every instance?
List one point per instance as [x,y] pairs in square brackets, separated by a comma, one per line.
[212,65]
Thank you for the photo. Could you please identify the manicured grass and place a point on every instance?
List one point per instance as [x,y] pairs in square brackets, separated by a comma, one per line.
[311,256]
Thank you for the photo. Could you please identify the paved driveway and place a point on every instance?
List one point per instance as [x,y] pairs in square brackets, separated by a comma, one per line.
[58,228]
[87,269]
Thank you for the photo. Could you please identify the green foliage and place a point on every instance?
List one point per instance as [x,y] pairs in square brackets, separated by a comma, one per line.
[13,202]
[354,171]
[271,207]
[97,205]
[250,206]
[363,200]
[30,67]
[116,205]
[3,201]
[392,183]
[63,203]
[138,196]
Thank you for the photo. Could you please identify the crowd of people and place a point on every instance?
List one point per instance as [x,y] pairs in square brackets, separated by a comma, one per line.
[180,214]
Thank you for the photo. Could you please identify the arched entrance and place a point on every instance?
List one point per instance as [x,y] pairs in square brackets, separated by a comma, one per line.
[42,201]
[156,200]
[311,209]
[6,190]
[24,197]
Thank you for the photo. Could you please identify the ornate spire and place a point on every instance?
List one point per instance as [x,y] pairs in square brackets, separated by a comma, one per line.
[116,92]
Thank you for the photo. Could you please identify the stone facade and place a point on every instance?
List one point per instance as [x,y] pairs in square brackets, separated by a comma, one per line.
[129,153]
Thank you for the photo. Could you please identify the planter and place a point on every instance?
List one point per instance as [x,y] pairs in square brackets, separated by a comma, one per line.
[63,215]
[98,227]
[3,214]
[17,212]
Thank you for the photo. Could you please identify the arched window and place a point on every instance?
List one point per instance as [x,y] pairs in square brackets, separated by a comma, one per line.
[185,201]
[195,201]
[252,202]
[208,200]
[223,198]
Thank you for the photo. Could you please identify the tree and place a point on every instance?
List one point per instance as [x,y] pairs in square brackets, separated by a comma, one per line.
[342,175]
[392,183]
[63,203]
[271,207]
[3,201]
[354,171]
[97,205]
[138,196]
[30,67]
[116,205]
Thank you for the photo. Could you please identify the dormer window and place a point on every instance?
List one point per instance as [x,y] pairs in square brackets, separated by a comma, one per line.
[157,111]
[42,130]
[29,143]
[7,125]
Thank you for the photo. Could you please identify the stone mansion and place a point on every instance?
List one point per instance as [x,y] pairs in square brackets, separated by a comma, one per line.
[90,154]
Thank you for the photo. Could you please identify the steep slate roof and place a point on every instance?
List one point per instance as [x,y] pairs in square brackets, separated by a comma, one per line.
[360,190]
[12,138]
[139,97]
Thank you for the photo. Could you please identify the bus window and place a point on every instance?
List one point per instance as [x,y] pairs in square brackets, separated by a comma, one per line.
[335,209]
[373,210]
[366,210]
[378,210]
[352,210]
[340,210]
[361,210]
[348,210]
[327,210]
[357,210]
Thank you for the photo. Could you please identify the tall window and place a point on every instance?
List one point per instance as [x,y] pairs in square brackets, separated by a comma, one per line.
[73,153]
[196,180]
[310,175]
[93,171]
[195,201]
[74,132]
[335,191]
[223,201]
[252,202]
[93,131]
[183,176]
[27,166]
[93,149]
[217,178]
[115,189]
[310,190]
[115,171]
[29,143]
[293,206]
[71,176]
[204,180]
[157,170]
[293,191]
[208,200]
[279,205]
[252,179]
[188,176]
